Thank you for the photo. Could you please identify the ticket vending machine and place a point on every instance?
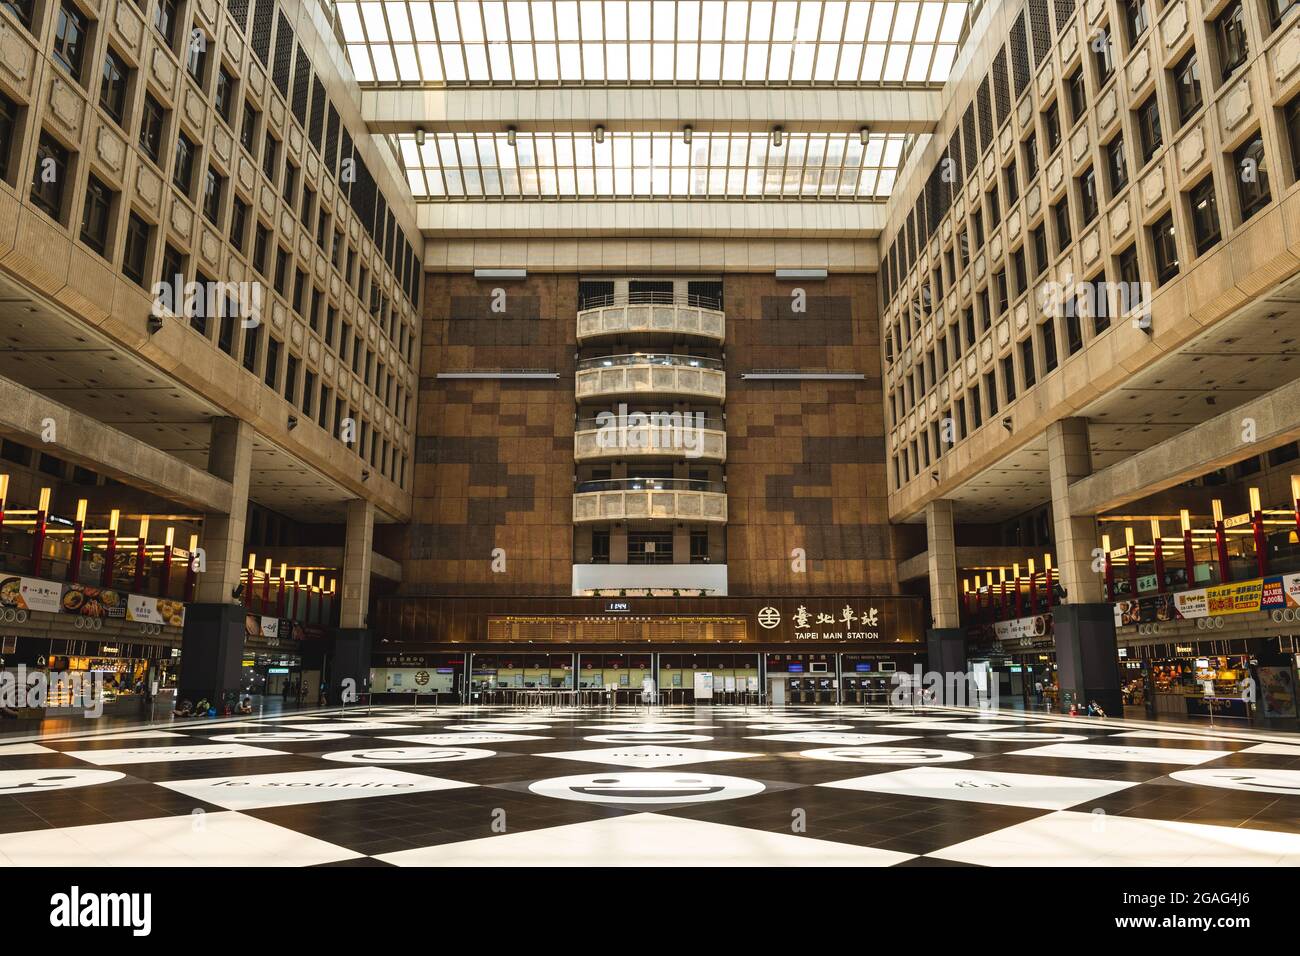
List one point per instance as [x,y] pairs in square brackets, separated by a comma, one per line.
[851,689]
[796,692]
[825,690]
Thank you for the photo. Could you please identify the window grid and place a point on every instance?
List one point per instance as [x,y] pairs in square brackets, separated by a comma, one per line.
[658,165]
[622,42]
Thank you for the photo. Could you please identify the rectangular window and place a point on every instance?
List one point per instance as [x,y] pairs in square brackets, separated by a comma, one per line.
[1130,290]
[196,63]
[1277,10]
[171,273]
[1088,199]
[1205,215]
[290,377]
[136,249]
[22,9]
[112,88]
[1013,184]
[1252,181]
[1041,258]
[70,39]
[272,376]
[1187,86]
[183,170]
[1150,136]
[1027,362]
[1103,55]
[226,334]
[239,212]
[8,127]
[152,118]
[250,347]
[309,393]
[1164,247]
[1052,128]
[1073,328]
[1116,166]
[1061,219]
[1136,20]
[1078,96]
[1031,157]
[1019,270]
[164,20]
[95,216]
[1291,114]
[48,177]
[281,270]
[290,185]
[224,95]
[269,151]
[1230,31]
[248,128]
[213,186]
[261,248]
[1009,378]
[1048,332]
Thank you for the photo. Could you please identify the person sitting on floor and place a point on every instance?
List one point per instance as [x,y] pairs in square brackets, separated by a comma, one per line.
[183,709]
[245,706]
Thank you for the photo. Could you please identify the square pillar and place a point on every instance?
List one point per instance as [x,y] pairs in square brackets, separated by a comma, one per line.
[358,548]
[941,549]
[1069,458]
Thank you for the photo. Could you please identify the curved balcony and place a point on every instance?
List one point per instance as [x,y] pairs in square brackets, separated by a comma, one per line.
[651,374]
[671,435]
[652,314]
[649,499]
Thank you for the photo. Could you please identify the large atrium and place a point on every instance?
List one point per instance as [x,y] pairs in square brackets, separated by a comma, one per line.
[685,420]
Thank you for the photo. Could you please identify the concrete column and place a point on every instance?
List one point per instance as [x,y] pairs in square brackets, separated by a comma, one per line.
[358,545]
[681,544]
[942,551]
[230,458]
[1069,459]
[945,640]
[212,645]
[1084,627]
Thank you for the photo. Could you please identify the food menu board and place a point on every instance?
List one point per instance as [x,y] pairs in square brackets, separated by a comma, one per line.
[84,600]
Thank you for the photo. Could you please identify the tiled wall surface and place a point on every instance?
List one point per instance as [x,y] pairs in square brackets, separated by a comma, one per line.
[805,458]
[494,457]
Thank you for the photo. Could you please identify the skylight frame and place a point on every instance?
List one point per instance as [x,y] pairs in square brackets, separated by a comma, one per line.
[525,43]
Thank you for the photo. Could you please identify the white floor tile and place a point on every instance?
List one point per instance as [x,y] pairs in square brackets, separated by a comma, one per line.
[133,755]
[1178,755]
[983,786]
[23,783]
[307,786]
[637,787]
[649,756]
[463,739]
[206,839]
[1094,839]
[887,755]
[834,737]
[644,738]
[1017,736]
[646,839]
[1252,779]
[1277,750]
[23,750]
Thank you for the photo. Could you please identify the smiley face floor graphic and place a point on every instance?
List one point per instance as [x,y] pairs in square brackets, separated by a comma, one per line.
[642,788]
[588,785]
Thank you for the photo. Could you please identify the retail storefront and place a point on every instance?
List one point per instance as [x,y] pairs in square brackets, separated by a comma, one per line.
[719,649]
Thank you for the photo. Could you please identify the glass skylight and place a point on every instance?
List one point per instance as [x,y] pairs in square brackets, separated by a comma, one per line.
[617,42]
[629,165]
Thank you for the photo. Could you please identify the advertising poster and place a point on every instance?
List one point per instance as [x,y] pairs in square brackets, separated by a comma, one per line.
[1040,625]
[30,594]
[149,610]
[90,601]
[1276,691]
[1238,598]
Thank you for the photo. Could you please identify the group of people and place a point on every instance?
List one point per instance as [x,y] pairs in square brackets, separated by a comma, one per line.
[204,708]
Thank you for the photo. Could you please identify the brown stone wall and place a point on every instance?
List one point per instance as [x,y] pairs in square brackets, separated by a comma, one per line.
[494,458]
[806,459]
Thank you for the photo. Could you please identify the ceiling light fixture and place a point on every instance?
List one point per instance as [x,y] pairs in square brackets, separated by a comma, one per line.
[687,133]
[776,137]
[510,135]
[419,136]
[600,134]
[864,134]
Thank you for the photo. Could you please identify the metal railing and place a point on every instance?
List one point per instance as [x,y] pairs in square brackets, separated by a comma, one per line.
[651,484]
[649,358]
[650,298]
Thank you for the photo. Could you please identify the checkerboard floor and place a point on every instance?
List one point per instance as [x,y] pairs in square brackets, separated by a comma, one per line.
[724,786]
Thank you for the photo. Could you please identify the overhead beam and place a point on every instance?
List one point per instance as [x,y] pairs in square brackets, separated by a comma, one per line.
[648,218]
[662,109]
[29,417]
[1217,443]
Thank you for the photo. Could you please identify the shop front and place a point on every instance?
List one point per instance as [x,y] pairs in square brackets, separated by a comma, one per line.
[132,674]
[681,650]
